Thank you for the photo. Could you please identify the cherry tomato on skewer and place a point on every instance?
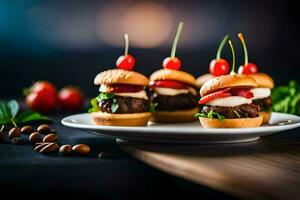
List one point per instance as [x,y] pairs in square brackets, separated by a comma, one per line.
[126,61]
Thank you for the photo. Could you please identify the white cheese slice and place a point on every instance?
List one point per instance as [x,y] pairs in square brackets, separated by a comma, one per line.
[173,92]
[230,101]
[261,93]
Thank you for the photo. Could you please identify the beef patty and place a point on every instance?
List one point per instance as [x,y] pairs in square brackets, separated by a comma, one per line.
[264,104]
[241,111]
[177,102]
[126,105]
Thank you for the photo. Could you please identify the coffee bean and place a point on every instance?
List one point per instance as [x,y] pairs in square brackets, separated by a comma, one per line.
[104,155]
[43,129]
[49,148]
[50,138]
[82,149]
[39,146]
[26,130]
[65,150]
[14,132]
[35,137]
[17,140]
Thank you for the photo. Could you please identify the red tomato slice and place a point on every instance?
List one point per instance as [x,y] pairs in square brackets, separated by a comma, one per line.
[213,96]
[125,88]
[242,93]
[168,84]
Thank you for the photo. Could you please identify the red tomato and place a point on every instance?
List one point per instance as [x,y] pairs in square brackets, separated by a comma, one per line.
[125,88]
[250,68]
[42,97]
[172,63]
[213,96]
[219,67]
[70,98]
[242,93]
[126,62]
[167,84]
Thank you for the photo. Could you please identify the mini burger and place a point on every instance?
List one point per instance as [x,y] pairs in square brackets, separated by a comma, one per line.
[262,94]
[226,101]
[122,100]
[174,93]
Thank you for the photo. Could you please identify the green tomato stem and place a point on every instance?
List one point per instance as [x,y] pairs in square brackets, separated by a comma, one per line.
[2,127]
[233,58]
[173,52]
[224,40]
[14,123]
[126,44]
[241,37]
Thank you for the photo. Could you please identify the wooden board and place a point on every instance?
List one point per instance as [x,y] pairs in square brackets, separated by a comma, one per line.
[265,169]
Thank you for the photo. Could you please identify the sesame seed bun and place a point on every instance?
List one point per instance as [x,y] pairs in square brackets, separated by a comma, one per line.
[231,123]
[108,119]
[175,75]
[113,76]
[226,81]
[202,79]
[263,80]
[174,116]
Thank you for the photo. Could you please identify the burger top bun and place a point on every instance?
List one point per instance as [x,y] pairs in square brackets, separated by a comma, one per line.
[263,80]
[225,81]
[175,75]
[113,76]
[202,79]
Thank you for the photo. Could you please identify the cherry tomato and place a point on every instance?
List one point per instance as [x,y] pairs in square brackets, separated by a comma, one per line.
[70,98]
[126,62]
[250,68]
[172,63]
[167,84]
[42,97]
[219,67]
[125,88]
[242,93]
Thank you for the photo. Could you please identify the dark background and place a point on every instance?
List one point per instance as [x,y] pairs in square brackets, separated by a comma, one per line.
[69,42]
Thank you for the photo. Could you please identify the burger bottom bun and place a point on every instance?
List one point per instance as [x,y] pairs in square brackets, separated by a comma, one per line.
[231,123]
[266,117]
[174,116]
[108,119]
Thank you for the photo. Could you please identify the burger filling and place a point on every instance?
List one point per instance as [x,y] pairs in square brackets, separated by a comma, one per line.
[171,95]
[229,103]
[262,97]
[121,99]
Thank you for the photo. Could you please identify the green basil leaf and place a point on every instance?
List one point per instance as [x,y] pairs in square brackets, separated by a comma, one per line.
[200,115]
[105,96]
[94,103]
[13,108]
[29,116]
[114,106]
[152,107]
[210,115]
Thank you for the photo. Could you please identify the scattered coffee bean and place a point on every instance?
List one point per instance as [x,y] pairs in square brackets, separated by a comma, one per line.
[17,140]
[103,155]
[43,129]
[40,145]
[50,138]
[65,150]
[49,148]
[14,132]
[82,149]
[35,137]
[26,130]
[53,131]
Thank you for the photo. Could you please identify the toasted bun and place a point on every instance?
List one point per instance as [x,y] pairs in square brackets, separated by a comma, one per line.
[263,80]
[231,123]
[121,76]
[202,79]
[225,81]
[174,116]
[175,75]
[266,117]
[107,119]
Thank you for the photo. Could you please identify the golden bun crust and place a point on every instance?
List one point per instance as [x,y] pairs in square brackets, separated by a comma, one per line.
[231,123]
[175,75]
[225,81]
[266,117]
[174,116]
[263,80]
[202,79]
[108,119]
[121,76]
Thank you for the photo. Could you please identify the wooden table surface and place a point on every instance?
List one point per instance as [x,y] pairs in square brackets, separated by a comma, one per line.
[268,168]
